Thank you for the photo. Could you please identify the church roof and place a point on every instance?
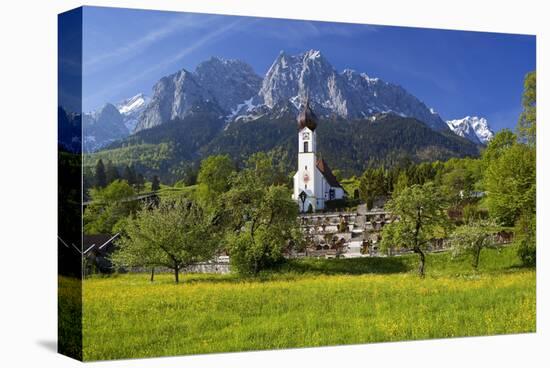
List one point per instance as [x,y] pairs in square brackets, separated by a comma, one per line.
[306,117]
[327,173]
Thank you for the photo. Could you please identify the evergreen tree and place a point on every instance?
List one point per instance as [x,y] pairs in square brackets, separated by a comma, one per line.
[372,185]
[100,176]
[111,172]
[88,181]
[129,175]
[155,183]
[190,176]
[140,182]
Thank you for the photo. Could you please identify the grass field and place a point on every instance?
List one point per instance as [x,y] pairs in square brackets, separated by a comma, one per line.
[307,303]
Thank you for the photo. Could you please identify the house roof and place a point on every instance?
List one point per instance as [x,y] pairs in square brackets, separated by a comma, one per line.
[327,173]
[97,242]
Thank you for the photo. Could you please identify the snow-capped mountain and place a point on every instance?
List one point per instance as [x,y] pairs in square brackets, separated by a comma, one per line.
[241,94]
[131,109]
[232,91]
[474,128]
[349,94]
[112,122]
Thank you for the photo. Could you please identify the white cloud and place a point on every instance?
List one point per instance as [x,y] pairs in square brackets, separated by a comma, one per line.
[140,45]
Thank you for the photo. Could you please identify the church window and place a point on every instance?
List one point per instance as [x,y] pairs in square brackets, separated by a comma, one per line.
[306,146]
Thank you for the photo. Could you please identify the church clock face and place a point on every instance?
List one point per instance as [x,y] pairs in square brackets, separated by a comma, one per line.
[305,136]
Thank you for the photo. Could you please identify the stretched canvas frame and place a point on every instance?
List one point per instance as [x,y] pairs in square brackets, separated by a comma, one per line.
[82,252]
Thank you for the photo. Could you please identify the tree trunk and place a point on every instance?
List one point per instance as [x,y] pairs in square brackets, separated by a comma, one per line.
[422,263]
[152,274]
[256,268]
[421,266]
[416,248]
[476,257]
[177,273]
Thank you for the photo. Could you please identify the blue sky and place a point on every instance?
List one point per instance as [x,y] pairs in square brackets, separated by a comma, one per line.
[457,73]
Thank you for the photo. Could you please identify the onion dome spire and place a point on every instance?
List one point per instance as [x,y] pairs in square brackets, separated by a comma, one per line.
[306,117]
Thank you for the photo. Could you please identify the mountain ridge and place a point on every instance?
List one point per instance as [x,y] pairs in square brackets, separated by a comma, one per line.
[242,94]
[223,93]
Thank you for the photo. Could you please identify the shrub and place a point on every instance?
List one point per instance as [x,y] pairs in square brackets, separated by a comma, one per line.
[526,234]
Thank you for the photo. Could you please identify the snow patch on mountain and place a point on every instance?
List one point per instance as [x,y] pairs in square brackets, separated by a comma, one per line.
[241,108]
[132,104]
[132,108]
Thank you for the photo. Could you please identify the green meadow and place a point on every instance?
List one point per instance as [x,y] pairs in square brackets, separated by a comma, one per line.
[308,303]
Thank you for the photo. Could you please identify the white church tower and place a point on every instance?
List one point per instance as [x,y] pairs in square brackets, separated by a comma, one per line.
[314,182]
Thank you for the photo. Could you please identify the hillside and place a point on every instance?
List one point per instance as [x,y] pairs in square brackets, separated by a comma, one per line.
[351,146]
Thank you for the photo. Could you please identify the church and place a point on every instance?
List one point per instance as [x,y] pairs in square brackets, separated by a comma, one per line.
[314,182]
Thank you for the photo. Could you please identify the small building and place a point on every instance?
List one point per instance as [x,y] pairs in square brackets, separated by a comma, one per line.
[314,182]
[97,250]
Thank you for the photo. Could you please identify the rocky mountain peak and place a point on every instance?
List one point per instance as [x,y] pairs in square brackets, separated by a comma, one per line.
[474,128]
[108,111]
[349,94]
[229,81]
[102,127]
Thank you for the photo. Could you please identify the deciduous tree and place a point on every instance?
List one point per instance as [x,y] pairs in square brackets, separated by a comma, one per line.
[174,234]
[472,238]
[510,181]
[262,217]
[420,214]
[108,206]
[527,124]
[214,176]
